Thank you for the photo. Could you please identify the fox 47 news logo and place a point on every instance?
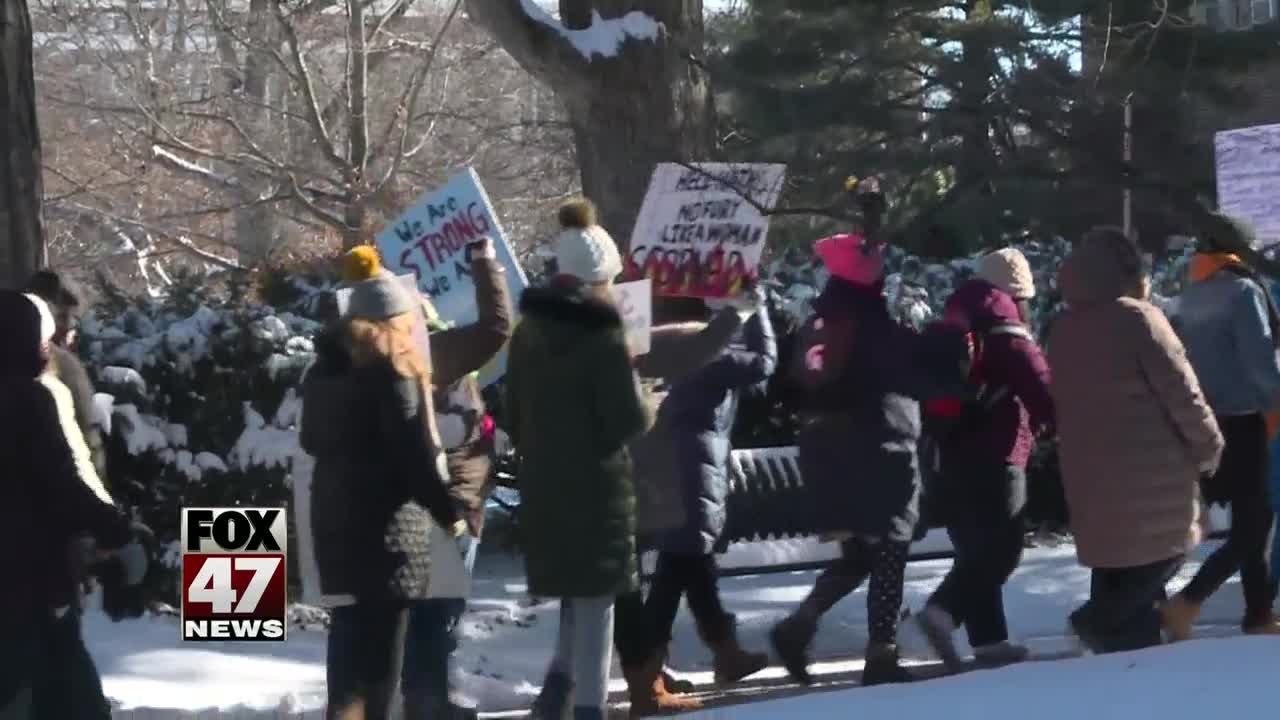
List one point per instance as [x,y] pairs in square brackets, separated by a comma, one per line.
[233,574]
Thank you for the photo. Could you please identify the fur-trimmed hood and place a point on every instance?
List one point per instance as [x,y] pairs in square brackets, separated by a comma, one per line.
[571,306]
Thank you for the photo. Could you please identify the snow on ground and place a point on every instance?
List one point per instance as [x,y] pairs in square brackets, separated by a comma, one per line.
[1204,679]
[145,666]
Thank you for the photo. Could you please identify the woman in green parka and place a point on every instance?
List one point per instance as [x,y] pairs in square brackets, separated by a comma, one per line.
[575,403]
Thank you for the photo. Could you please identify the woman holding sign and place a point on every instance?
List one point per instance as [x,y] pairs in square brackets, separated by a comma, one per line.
[698,414]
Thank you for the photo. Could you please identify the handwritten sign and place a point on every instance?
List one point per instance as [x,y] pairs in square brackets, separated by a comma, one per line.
[1248,171]
[700,231]
[429,242]
[420,332]
[635,303]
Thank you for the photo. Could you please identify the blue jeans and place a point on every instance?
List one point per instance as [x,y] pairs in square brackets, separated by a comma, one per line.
[430,665]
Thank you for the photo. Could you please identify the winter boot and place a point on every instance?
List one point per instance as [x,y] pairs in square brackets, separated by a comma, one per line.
[648,692]
[791,639]
[1263,623]
[883,666]
[730,661]
[1086,640]
[1000,654]
[938,627]
[1178,615]
[553,702]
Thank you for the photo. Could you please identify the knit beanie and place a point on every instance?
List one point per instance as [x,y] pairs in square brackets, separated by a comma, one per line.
[1008,270]
[851,258]
[20,326]
[379,298]
[584,250]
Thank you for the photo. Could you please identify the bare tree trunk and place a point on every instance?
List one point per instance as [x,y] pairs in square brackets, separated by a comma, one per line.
[648,103]
[22,247]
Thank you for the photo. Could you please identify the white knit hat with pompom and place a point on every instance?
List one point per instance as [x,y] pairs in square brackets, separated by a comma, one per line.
[589,254]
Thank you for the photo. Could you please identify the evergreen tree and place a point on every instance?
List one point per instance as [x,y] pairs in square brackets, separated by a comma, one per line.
[977,114]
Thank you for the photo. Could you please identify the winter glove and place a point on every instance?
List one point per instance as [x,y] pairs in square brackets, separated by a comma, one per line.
[481,249]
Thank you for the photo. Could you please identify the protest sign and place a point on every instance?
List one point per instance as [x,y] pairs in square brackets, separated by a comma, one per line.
[429,241]
[1248,170]
[700,231]
[635,304]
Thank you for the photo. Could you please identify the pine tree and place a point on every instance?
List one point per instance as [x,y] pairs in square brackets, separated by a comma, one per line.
[976,114]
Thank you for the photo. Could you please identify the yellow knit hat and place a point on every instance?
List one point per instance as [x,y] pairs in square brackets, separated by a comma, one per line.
[360,263]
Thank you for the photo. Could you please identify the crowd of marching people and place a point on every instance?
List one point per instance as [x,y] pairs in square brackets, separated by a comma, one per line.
[1154,416]
[623,452]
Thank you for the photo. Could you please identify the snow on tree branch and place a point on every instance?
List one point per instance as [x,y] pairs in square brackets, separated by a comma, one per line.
[191,168]
[603,37]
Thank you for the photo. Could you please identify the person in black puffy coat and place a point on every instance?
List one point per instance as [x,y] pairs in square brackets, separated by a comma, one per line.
[697,416]
[860,425]
[47,497]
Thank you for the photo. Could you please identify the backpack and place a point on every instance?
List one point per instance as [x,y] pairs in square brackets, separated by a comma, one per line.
[818,361]
[974,399]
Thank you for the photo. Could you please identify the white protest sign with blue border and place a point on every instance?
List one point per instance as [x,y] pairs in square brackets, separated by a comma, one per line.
[429,241]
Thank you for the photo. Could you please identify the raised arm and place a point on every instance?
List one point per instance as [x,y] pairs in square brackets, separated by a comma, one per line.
[678,349]
[458,352]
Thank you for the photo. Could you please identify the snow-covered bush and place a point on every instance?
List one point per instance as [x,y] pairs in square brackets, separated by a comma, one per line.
[200,387]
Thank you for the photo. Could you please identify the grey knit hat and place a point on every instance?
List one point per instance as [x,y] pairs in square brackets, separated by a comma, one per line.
[381,297]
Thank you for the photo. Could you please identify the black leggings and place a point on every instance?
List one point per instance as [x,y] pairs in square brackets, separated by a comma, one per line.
[1242,481]
[985,526]
[693,577]
[365,652]
[631,635]
[885,562]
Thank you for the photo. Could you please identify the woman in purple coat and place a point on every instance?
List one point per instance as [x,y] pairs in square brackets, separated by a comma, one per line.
[981,491]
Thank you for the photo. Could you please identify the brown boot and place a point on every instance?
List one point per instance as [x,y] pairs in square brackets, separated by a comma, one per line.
[1179,615]
[1261,624]
[649,694]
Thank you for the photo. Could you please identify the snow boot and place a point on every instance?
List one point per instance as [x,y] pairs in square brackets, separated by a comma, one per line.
[884,666]
[791,639]
[552,702]
[938,627]
[1261,624]
[649,694]
[1178,615]
[1000,654]
[731,662]
[1086,641]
